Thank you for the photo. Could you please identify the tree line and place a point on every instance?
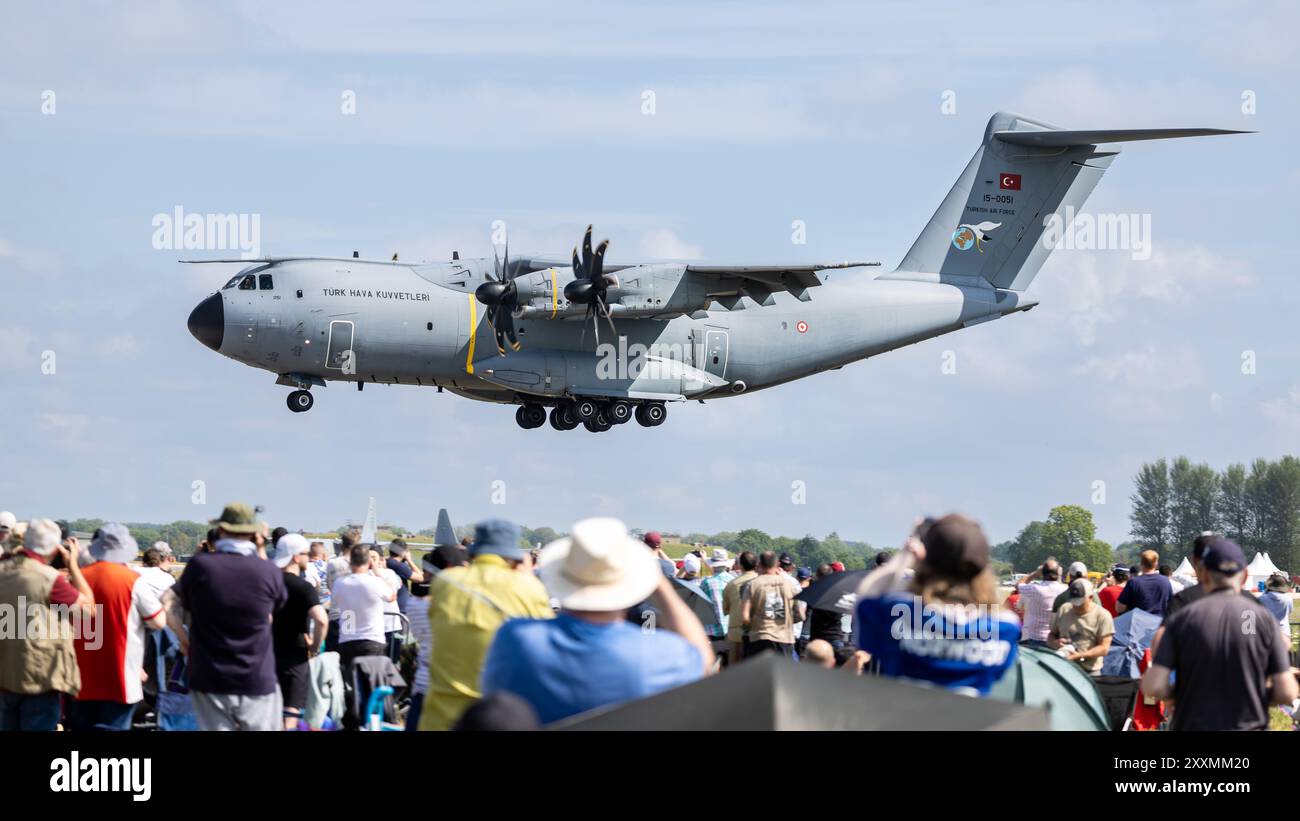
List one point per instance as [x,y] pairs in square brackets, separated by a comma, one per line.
[1258,507]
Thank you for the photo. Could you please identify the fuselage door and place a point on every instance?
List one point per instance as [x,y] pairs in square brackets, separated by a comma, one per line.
[340,344]
[716,343]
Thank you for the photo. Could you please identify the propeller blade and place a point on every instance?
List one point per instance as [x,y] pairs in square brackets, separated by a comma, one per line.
[577,267]
[508,323]
[609,318]
[586,253]
[492,314]
[598,265]
[583,336]
[505,266]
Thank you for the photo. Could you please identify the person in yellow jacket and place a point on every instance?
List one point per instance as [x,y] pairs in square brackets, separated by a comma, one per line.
[466,606]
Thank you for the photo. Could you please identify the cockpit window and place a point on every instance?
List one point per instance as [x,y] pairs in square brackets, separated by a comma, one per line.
[232,281]
[265,283]
[249,283]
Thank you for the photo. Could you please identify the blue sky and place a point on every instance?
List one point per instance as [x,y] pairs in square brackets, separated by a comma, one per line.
[765,113]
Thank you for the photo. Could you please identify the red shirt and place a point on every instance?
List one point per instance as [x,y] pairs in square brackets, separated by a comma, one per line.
[111,658]
[1110,595]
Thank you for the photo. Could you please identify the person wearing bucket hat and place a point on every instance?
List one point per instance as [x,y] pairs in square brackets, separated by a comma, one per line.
[293,646]
[597,573]
[111,660]
[36,672]
[467,605]
[230,596]
[1277,598]
[1230,668]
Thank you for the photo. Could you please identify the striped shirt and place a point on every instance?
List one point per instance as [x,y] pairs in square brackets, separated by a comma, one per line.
[712,587]
[1036,602]
[418,613]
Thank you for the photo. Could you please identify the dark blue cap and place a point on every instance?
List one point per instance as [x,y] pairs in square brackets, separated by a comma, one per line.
[497,537]
[804,573]
[1224,556]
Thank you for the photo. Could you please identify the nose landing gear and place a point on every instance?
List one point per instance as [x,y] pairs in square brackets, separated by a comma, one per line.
[300,401]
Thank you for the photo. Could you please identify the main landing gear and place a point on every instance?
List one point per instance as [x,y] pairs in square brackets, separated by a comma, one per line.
[594,415]
[300,401]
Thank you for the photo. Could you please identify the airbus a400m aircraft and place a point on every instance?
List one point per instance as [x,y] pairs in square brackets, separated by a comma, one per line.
[600,344]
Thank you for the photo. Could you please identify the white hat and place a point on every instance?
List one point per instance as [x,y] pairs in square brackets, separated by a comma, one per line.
[42,537]
[598,567]
[7,520]
[720,558]
[691,563]
[290,545]
[1078,569]
[163,548]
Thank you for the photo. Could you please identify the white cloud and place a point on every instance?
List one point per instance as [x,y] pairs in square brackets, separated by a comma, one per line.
[1285,411]
[15,349]
[1094,289]
[663,243]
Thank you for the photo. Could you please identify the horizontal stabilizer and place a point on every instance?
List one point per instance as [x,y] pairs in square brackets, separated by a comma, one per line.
[1062,138]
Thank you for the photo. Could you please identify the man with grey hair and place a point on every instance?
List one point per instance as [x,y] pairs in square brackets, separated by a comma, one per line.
[36,670]
[1231,660]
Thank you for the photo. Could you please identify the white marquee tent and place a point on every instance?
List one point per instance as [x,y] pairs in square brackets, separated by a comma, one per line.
[1186,573]
[1259,569]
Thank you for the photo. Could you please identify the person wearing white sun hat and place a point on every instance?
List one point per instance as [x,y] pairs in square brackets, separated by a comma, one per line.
[589,655]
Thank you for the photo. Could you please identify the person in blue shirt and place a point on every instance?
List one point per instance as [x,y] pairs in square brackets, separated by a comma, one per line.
[590,656]
[944,626]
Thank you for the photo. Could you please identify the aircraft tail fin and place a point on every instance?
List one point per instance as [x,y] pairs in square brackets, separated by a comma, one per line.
[443,534]
[370,530]
[1024,172]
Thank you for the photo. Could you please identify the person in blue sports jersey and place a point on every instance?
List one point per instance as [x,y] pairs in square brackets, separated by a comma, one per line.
[942,626]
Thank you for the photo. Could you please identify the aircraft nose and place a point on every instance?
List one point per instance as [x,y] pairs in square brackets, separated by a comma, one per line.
[208,322]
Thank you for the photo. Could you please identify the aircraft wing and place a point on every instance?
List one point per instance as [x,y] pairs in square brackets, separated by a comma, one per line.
[792,278]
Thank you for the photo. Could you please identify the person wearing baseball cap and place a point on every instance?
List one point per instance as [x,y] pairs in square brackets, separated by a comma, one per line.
[1078,570]
[467,607]
[952,596]
[1231,663]
[293,645]
[597,573]
[655,542]
[1082,629]
[230,596]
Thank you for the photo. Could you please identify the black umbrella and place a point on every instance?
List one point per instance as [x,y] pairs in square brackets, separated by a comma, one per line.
[771,692]
[837,592]
[697,600]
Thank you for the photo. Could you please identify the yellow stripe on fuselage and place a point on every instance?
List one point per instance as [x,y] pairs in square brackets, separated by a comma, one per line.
[473,332]
[555,295]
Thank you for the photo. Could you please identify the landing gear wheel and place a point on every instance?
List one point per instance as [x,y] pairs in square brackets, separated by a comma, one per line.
[598,423]
[562,418]
[530,416]
[619,412]
[300,401]
[585,409]
[651,415]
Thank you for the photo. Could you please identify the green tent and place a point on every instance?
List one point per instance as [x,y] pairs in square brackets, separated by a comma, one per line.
[1041,678]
